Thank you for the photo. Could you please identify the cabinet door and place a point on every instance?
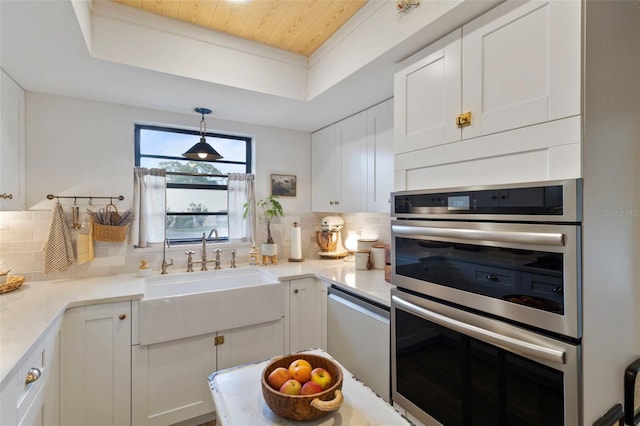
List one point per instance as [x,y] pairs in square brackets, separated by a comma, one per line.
[169,380]
[428,97]
[249,344]
[353,145]
[380,157]
[304,319]
[521,66]
[95,370]
[51,415]
[12,142]
[325,170]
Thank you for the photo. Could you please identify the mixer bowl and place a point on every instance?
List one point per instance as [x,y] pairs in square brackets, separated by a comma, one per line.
[327,240]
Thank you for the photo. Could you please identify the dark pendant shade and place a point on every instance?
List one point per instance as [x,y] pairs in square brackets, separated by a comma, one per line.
[202,151]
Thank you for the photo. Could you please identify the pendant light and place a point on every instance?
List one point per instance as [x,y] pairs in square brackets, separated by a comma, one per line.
[202,151]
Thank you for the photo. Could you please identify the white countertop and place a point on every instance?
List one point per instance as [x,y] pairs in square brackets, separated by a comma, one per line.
[27,313]
[237,394]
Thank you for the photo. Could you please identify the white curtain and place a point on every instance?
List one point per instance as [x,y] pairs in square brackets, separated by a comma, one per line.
[149,205]
[241,191]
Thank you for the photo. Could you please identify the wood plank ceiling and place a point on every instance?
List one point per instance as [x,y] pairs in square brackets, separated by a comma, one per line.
[299,26]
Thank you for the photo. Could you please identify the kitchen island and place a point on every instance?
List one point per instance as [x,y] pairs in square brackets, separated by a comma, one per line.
[237,395]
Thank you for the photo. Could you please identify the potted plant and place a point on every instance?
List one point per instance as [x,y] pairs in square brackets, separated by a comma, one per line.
[271,208]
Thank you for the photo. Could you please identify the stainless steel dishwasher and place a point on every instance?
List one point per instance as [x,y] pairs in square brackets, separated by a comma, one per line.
[358,337]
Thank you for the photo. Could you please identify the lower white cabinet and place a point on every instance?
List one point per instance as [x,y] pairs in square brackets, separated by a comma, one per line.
[95,379]
[169,382]
[306,305]
[30,396]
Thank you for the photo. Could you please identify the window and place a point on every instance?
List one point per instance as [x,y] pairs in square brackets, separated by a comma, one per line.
[196,190]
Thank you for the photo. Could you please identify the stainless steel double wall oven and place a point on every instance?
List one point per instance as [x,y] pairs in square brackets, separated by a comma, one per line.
[486,317]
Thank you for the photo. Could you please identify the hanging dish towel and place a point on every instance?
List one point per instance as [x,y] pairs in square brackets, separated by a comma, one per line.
[58,249]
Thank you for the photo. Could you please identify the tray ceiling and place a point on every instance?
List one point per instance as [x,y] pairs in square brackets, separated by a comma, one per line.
[298,26]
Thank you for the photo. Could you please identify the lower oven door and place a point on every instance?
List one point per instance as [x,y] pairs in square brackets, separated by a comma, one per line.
[454,367]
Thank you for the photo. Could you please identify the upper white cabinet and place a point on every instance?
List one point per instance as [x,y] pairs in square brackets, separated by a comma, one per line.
[12,143]
[352,163]
[521,66]
[379,157]
[427,97]
[325,170]
[499,93]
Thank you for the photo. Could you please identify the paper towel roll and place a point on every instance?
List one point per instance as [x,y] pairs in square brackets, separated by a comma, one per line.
[296,243]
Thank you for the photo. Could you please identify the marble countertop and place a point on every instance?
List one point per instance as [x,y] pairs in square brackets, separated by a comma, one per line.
[28,313]
[237,394]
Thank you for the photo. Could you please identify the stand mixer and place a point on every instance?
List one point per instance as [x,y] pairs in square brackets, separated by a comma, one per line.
[329,239]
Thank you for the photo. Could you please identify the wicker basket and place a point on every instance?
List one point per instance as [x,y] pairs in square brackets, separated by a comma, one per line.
[14,282]
[303,407]
[110,234]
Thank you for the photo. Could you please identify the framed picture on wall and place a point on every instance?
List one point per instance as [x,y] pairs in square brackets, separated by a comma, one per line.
[284,185]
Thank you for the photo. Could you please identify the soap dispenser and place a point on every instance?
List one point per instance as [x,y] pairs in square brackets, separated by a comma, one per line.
[253,255]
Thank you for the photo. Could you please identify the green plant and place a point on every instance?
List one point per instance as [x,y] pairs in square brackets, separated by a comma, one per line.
[271,208]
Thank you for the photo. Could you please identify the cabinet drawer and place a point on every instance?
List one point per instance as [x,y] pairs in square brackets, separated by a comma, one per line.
[27,391]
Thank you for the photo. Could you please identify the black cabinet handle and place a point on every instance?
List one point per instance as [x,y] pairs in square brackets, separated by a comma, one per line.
[492,277]
[557,290]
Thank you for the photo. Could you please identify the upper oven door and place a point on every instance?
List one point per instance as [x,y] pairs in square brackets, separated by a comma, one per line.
[528,273]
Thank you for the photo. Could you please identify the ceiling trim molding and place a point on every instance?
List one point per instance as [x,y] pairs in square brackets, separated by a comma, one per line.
[141,39]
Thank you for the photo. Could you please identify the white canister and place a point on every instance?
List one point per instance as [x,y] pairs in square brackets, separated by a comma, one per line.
[377,256]
[365,244]
[362,259]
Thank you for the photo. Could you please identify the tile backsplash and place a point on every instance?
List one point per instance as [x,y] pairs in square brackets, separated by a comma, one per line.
[23,233]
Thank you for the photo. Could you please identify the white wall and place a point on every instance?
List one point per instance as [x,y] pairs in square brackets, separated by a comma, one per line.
[80,147]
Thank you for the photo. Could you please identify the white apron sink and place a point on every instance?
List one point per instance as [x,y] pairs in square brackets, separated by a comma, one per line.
[185,305]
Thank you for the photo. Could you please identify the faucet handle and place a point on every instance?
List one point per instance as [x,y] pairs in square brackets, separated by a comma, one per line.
[189,260]
[217,252]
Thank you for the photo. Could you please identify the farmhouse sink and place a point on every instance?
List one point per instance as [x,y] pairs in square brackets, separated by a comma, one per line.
[192,304]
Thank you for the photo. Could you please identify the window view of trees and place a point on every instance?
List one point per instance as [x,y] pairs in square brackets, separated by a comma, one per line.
[196,190]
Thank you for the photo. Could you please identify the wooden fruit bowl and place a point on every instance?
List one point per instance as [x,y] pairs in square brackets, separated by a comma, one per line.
[303,407]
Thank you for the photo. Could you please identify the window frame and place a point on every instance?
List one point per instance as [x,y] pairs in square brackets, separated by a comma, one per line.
[248,167]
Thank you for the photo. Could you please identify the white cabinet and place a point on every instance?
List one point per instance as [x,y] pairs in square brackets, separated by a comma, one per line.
[352,163]
[515,69]
[325,170]
[169,380]
[30,396]
[379,157]
[339,168]
[12,144]
[95,379]
[427,96]
[305,304]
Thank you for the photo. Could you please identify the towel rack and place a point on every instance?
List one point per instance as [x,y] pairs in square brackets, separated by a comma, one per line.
[91,198]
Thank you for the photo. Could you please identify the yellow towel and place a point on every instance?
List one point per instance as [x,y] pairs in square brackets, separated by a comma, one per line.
[58,249]
[85,246]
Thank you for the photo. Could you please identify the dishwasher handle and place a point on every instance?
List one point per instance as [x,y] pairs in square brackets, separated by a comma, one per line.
[371,311]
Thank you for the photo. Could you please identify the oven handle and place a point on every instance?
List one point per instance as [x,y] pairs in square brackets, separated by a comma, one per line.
[509,343]
[535,238]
